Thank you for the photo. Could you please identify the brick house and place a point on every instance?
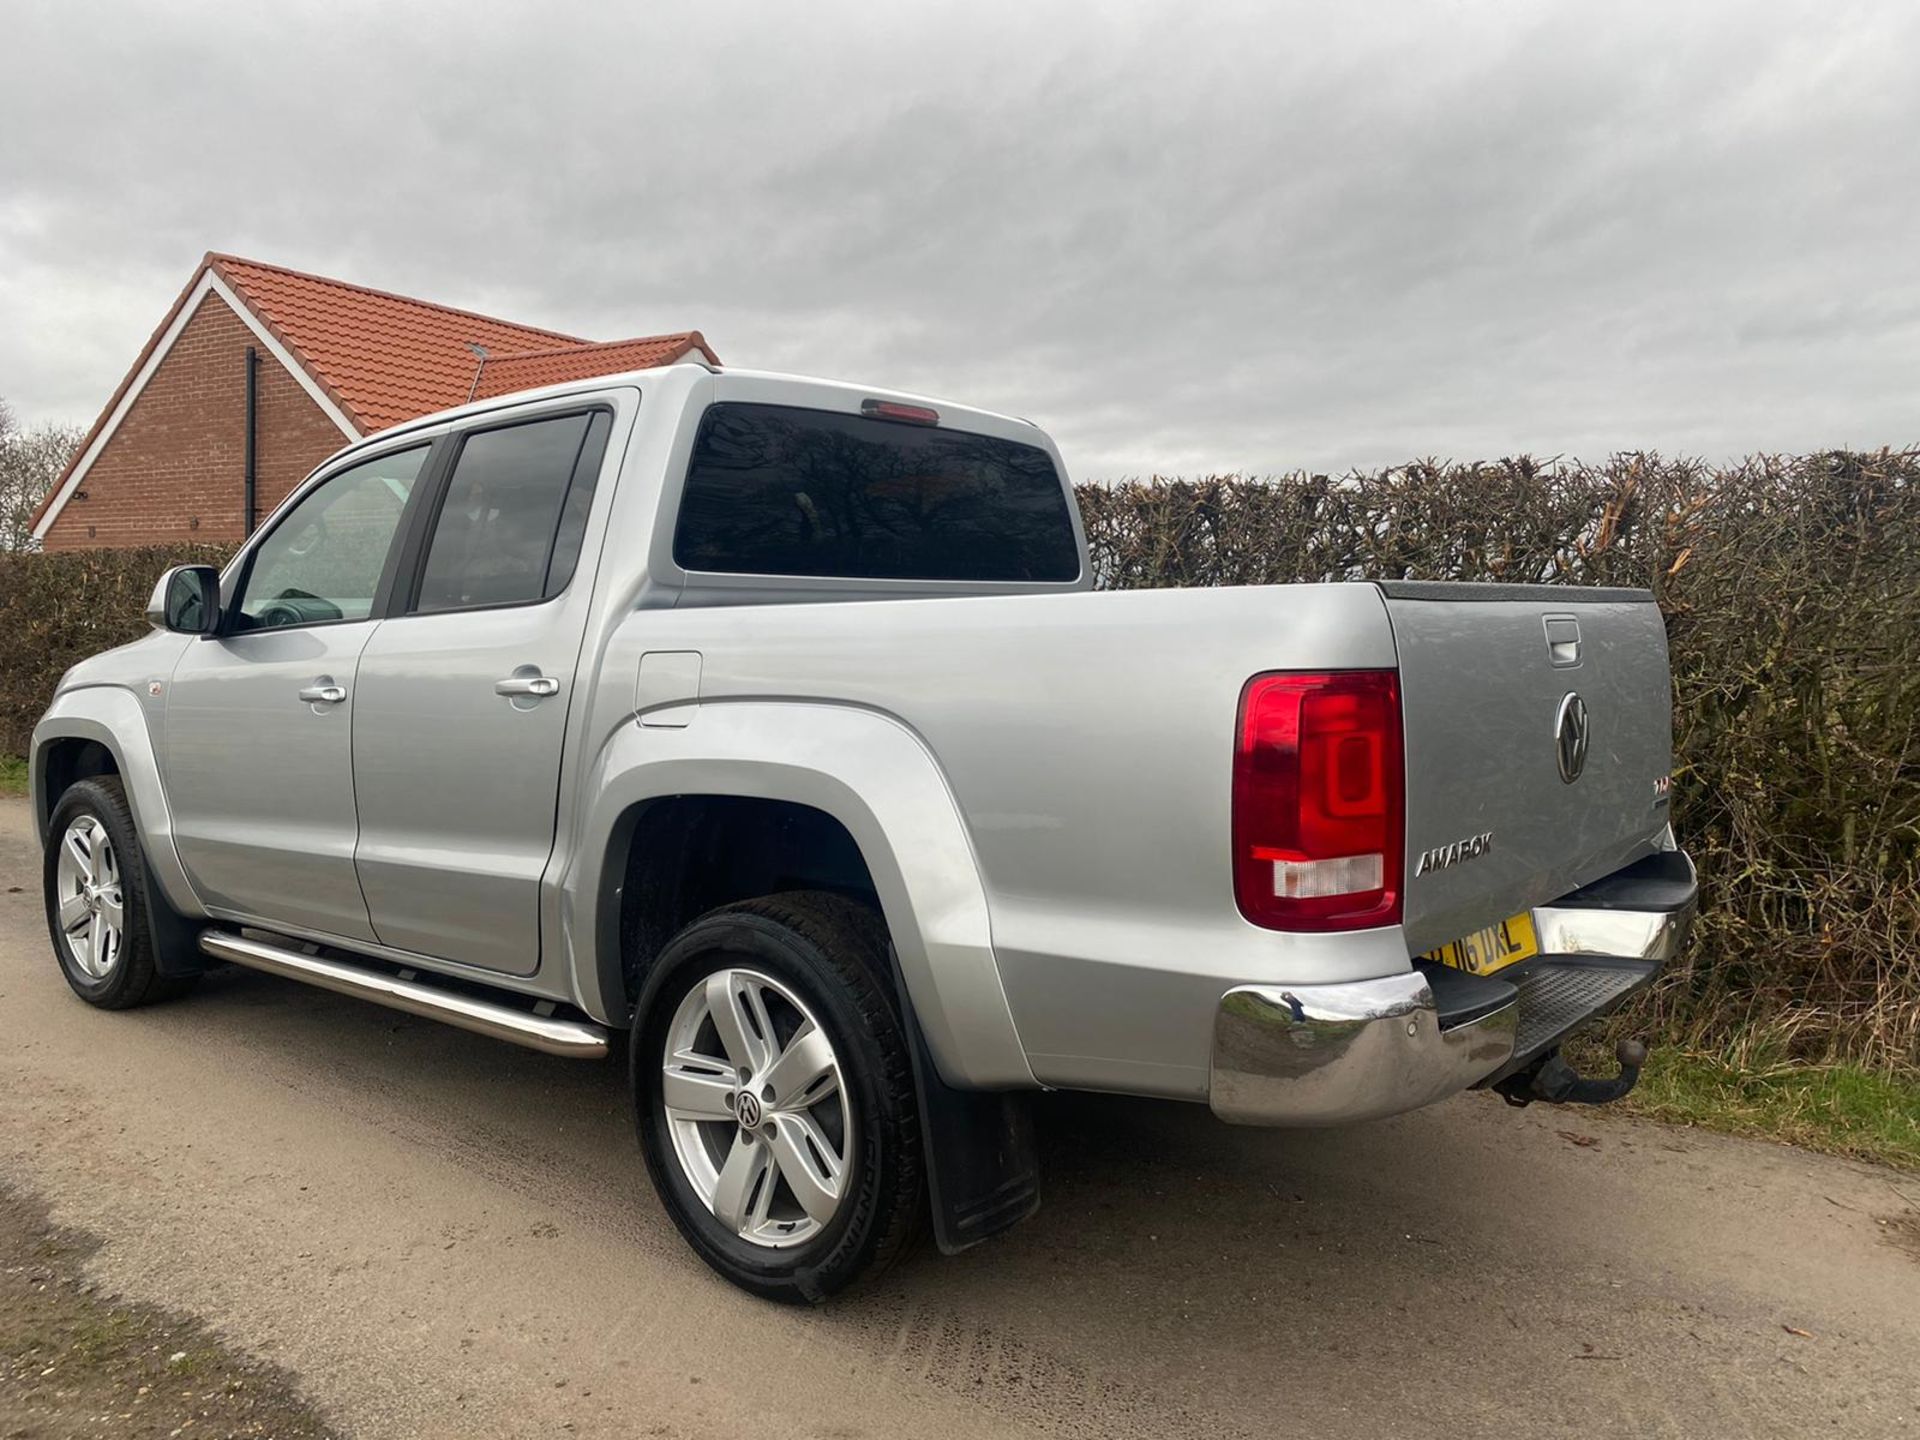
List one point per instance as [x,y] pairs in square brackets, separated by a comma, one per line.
[258,373]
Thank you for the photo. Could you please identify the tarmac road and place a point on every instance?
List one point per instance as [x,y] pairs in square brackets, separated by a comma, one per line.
[441,1235]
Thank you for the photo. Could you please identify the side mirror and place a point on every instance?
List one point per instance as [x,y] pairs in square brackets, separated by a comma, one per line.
[186,601]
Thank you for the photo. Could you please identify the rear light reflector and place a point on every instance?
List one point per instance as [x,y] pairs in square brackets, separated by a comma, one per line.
[1319,817]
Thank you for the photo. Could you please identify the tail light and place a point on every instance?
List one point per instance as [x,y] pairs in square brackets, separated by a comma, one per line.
[1319,820]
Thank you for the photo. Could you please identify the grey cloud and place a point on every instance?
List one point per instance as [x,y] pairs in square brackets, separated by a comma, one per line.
[1182,237]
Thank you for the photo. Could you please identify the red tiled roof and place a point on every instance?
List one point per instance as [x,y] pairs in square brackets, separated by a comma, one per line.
[503,374]
[386,358]
[383,358]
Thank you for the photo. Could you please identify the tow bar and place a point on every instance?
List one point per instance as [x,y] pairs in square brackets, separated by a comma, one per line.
[1558,1083]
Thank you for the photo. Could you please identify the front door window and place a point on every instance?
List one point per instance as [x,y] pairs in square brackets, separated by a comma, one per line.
[323,560]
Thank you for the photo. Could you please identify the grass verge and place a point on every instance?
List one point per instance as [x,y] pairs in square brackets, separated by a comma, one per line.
[1839,1109]
[13,775]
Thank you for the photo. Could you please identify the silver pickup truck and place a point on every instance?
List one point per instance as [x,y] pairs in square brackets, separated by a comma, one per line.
[776,724]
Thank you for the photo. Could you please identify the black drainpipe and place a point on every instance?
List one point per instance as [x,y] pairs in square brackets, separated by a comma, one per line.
[253,369]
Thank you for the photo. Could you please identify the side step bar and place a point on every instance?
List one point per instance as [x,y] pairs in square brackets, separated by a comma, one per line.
[572,1039]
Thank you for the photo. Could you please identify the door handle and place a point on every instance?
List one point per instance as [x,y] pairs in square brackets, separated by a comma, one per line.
[324,692]
[1563,640]
[527,685]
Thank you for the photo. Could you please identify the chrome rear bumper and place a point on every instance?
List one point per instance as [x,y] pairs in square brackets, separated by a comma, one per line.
[1326,1054]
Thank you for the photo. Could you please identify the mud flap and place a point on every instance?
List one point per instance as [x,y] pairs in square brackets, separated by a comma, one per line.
[176,939]
[983,1169]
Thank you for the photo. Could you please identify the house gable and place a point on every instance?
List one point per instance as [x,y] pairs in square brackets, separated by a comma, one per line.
[167,462]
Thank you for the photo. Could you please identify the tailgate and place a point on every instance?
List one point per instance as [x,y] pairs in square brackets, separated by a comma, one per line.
[1512,800]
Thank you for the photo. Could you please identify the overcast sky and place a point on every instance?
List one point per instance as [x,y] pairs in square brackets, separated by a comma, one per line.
[1197,236]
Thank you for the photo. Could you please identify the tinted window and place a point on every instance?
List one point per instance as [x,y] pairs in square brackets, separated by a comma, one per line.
[494,541]
[774,490]
[323,560]
[573,510]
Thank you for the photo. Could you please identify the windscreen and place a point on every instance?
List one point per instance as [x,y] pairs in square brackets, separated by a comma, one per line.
[778,490]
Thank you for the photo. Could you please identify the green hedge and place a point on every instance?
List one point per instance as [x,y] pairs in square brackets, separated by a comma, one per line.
[60,608]
[1791,588]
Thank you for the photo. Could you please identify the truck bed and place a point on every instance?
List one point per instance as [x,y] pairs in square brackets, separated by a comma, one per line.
[1087,740]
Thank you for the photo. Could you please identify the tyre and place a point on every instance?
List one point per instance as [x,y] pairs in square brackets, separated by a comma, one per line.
[773,1092]
[95,883]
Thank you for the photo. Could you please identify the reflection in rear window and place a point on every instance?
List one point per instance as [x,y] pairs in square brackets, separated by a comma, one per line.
[776,490]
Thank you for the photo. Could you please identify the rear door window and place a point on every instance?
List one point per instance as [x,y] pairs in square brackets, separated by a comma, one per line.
[779,490]
[510,525]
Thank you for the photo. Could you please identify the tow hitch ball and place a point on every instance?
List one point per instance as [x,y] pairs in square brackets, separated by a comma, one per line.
[1558,1083]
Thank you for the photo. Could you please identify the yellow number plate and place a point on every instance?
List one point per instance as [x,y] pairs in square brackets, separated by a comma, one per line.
[1491,949]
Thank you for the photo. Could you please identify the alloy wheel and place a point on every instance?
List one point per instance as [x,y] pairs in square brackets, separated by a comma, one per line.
[92,913]
[757,1108]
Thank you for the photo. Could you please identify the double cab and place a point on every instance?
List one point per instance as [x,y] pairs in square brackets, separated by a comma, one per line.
[779,724]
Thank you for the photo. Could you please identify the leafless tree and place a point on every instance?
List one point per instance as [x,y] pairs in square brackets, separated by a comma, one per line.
[30,461]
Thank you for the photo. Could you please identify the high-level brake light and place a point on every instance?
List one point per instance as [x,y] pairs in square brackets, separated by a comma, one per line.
[896,410]
[1319,809]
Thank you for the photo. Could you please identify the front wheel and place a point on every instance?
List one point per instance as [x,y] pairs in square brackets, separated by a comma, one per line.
[773,1090]
[95,883]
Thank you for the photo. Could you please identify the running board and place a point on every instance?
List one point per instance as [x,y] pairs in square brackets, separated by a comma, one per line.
[573,1039]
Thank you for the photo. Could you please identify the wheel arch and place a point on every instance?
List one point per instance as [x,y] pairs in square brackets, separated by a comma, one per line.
[62,761]
[840,772]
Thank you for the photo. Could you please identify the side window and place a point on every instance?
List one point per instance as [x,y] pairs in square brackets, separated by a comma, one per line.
[323,560]
[510,526]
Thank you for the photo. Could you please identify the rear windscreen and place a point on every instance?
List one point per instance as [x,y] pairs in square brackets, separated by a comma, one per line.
[776,490]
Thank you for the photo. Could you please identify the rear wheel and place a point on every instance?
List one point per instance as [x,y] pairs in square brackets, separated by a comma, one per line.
[95,886]
[774,1095]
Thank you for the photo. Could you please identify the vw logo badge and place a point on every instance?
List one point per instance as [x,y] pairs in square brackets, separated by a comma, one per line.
[1570,737]
[746,1106]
